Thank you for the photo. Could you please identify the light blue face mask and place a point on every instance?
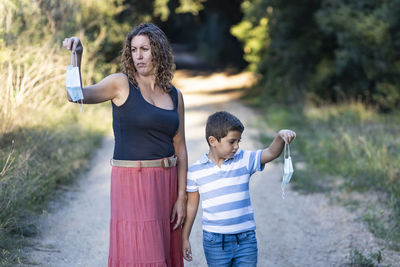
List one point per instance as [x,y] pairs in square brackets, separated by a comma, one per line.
[73,81]
[287,169]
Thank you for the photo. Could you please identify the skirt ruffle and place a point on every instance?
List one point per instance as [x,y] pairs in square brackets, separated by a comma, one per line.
[141,233]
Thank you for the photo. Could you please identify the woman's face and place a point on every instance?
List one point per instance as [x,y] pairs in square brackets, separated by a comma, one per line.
[141,54]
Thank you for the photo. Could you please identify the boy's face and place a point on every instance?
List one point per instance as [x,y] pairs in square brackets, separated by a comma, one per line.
[227,146]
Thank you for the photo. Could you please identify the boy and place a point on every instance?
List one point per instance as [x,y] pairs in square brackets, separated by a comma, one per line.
[221,178]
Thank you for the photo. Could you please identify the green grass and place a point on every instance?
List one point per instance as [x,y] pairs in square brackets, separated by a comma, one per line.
[357,259]
[350,152]
[36,161]
[45,142]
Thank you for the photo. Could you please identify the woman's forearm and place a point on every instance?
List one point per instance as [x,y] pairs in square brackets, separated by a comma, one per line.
[182,172]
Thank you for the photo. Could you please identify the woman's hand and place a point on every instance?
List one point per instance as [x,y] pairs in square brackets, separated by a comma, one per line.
[74,44]
[179,211]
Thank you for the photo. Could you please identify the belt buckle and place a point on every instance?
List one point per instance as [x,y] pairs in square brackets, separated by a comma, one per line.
[165,163]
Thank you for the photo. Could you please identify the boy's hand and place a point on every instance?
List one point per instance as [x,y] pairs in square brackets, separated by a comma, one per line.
[287,135]
[186,250]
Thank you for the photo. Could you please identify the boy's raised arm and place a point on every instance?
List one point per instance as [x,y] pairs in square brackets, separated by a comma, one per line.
[276,147]
[191,210]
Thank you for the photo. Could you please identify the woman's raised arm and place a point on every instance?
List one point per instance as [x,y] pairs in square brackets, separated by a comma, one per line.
[114,87]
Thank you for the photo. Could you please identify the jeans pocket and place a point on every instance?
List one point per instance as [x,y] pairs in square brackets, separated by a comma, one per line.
[209,237]
[249,236]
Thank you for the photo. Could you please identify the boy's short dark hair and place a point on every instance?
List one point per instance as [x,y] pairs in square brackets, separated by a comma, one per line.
[220,123]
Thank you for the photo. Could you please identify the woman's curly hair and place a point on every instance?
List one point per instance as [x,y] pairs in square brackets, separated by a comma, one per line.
[161,52]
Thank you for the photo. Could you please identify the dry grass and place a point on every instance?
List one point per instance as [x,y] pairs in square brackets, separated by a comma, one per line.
[44,140]
[31,77]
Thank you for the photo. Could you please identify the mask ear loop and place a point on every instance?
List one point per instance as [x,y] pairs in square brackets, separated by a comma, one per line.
[287,151]
[71,61]
[74,56]
[284,156]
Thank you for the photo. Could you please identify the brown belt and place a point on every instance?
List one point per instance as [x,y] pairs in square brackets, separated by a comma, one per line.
[165,163]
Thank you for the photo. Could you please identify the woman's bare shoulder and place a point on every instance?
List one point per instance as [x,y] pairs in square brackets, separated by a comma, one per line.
[121,83]
[118,79]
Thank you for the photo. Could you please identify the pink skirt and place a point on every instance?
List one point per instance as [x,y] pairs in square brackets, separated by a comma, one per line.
[141,233]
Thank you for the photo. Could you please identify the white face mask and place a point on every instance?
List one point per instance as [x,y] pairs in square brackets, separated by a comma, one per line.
[73,81]
[287,169]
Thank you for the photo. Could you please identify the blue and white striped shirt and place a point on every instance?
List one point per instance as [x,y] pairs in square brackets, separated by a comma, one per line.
[224,191]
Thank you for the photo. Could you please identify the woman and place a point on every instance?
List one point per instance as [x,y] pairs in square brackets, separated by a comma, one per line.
[148,183]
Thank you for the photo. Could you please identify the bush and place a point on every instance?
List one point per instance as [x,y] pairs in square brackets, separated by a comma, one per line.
[331,50]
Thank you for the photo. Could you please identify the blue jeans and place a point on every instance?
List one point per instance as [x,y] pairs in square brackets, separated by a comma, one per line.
[223,250]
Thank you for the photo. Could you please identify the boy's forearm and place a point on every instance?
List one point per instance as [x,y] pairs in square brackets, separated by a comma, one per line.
[191,211]
[187,226]
[273,151]
[277,146]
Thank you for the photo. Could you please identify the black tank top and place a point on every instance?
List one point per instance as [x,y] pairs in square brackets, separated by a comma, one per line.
[143,131]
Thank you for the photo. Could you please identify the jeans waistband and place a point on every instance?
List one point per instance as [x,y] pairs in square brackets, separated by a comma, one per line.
[237,236]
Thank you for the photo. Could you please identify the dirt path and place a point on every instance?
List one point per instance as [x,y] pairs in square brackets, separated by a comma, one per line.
[302,230]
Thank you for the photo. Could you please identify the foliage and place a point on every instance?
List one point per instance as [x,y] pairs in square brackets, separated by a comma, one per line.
[204,26]
[34,162]
[161,9]
[190,6]
[366,58]
[331,50]
[255,36]
[344,149]
[357,259]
